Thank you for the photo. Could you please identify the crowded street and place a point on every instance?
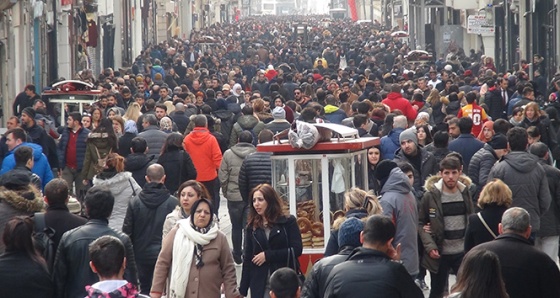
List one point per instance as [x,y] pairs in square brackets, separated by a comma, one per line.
[279,150]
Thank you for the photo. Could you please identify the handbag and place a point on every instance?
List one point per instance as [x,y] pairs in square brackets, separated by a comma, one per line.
[292,255]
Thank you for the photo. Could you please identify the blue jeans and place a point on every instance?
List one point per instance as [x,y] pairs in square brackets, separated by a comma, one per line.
[238,216]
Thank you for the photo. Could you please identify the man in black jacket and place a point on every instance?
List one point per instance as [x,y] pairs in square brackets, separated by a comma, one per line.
[527,271]
[71,271]
[57,216]
[154,202]
[370,271]
[256,168]
[138,161]
[348,239]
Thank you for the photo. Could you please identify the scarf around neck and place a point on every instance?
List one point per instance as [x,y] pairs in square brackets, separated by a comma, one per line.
[188,243]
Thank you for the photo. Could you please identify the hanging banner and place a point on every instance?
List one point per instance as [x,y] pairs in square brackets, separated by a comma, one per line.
[353,10]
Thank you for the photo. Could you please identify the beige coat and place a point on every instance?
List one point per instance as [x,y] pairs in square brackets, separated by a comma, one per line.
[204,282]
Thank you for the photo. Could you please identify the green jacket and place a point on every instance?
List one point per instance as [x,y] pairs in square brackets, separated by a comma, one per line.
[102,143]
[430,212]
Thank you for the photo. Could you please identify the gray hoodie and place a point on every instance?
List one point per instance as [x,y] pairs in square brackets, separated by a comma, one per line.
[399,204]
[229,169]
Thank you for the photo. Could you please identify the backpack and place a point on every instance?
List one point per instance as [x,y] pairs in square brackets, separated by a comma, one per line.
[252,131]
[43,239]
[101,162]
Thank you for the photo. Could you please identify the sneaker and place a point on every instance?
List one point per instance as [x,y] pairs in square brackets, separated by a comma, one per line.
[237,259]
[421,284]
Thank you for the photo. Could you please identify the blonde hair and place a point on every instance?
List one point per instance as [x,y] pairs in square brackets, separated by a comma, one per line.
[170,107]
[356,198]
[434,97]
[133,112]
[495,192]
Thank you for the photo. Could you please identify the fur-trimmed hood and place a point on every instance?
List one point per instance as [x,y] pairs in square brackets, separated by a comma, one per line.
[435,182]
[28,199]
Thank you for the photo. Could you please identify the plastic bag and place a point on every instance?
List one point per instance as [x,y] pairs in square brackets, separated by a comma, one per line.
[303,135]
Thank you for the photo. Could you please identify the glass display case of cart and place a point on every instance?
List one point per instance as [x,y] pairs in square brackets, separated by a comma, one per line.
[312,187]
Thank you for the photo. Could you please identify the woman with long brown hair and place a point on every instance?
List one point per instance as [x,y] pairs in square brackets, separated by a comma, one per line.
[272,241]
[122,186]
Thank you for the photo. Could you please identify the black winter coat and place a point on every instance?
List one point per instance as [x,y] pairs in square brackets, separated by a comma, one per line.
[527,271]
[125,142]
[476,232]
[370,273]
[284,235]
[20,276]
[480,166]
[256,169]
[550,223]
[332,246]
[61,221]
[178,168]
[153,202]
[316,282]
[137,164]
[71,270]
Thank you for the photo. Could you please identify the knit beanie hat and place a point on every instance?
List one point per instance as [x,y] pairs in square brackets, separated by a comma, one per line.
[409,134]
[349,232]
[383,170]
[499,141]
[278,113]
[30,112]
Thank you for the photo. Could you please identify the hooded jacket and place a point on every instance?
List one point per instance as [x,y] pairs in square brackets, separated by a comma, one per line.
[527,180]
[334,114]
[395,101]
[137,164]
[153,202]
[123,187]
[399,204]
[245,122]
[25,201]
[41,166]
[390,143]
[431,212]
[205,153]
[370,273]
[229,170]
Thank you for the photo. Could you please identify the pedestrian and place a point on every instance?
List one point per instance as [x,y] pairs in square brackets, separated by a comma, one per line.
[196,258]
[268,226]
[153,202]
[177,163]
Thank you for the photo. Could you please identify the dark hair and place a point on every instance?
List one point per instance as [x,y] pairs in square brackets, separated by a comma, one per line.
[246,137]
[471,97]
[198,187]
[363,107]
[138,145]
[22,155]
[405,167]
[18,133]
[99,202]
[247,110]
[426,129]
[195,206]
[480,276]
[517,139]
[378,229]
[441,139]
[174,141]
[18,237]
[274,209]
[538,149]
[284,283]
[161,106]
[308,114]
[266,135]
[76,116]
[31,88]
[533,132]
[150,104]
[107,255]
[56,191]
[450,163]
[501,126]
[200,121]
[106,126]
[465,125]
[360,120]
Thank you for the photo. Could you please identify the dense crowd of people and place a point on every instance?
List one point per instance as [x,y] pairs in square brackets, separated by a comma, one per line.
[125,196]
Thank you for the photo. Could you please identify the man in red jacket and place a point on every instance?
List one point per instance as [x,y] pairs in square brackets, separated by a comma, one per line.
[206,156]
[395,101]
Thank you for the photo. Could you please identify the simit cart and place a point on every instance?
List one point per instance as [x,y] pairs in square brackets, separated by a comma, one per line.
[312,182]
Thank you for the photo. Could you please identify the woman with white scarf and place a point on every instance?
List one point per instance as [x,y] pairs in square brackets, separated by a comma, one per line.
[197,255]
